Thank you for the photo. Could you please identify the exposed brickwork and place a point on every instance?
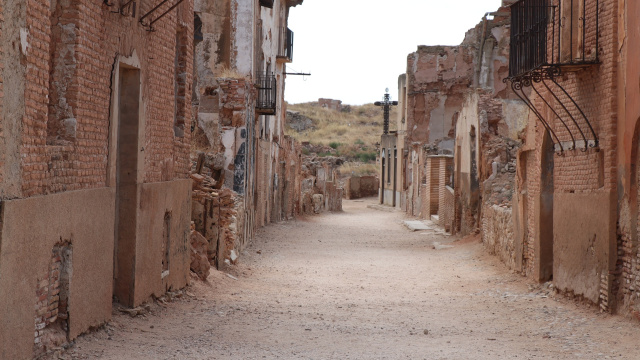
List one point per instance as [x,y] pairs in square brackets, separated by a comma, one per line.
[445,169]
[447,213]
[433,184]
[52,306]
[90,38]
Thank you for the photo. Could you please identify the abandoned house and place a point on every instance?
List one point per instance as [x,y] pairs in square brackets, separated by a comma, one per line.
[94,163]
[455,113]
[241,50]
[536,123]
[576,215]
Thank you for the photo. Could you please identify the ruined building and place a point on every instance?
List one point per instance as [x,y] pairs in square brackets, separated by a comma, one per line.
[576,215]
[241,51]
[456,138]
[536,113]
[94,162]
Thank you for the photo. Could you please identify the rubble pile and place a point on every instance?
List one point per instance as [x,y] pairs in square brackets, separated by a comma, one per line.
[320,189]
[214,217]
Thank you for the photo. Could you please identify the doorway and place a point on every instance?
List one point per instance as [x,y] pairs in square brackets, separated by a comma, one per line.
[128,129]
[545,223]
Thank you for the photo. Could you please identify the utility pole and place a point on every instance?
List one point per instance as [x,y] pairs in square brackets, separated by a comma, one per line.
[386,105]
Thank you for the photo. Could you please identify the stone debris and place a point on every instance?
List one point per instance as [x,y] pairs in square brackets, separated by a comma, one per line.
[136,311]
[438,246]
[233,256]
[416,225]
[382,208]
[199,261]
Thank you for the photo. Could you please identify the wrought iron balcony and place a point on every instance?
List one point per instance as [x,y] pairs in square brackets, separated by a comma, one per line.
[285,45]
[267,93]
[549,38]
[561,35]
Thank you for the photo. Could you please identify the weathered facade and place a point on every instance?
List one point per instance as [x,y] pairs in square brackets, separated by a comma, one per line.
[574,170]
[320,190]
[459,128]
[241,52]
[357,187]
[94,163]
[550,175]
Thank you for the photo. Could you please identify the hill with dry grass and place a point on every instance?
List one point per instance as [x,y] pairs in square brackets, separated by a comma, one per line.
[351,133]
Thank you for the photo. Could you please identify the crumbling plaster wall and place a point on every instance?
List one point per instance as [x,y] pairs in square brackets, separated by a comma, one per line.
[437,77]
[488,132]
[67,188]
[30,229]
[584,182]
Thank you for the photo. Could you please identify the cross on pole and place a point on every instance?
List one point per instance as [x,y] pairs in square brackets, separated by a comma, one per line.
[386,105]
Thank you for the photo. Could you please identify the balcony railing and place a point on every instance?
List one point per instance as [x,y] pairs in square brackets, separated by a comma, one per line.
[285,45]
[562,34]
[549,38]
[267,93]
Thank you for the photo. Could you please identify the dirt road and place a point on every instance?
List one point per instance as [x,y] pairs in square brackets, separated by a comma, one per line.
[359,285]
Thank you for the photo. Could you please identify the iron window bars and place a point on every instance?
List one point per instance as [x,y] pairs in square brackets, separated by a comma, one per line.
[549,37]
[267,93]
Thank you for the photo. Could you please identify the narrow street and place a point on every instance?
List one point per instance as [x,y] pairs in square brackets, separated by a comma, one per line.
[359,285]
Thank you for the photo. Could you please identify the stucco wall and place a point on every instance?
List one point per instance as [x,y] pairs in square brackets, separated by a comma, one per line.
[584,224]
[29,230]
[156,200]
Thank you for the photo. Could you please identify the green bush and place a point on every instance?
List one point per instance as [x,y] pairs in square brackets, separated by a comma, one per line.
[366,156]
[334,145]
[359,142]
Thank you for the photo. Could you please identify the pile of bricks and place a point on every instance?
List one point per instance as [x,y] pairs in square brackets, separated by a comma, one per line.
[215,216]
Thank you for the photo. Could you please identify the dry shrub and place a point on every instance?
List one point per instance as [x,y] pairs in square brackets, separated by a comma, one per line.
[359,169]
[362,125]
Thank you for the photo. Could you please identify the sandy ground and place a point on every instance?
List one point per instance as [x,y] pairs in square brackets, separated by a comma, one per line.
[359,285]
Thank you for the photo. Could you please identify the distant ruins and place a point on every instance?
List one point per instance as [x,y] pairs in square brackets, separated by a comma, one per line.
[330,104]
[529,137]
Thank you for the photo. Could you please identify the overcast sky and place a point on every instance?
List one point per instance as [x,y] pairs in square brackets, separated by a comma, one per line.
[354,49]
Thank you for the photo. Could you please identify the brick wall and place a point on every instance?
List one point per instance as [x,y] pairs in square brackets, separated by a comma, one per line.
[444,173]
[52,296]
[433,184]
[576,171]
[91,36]
[447,213]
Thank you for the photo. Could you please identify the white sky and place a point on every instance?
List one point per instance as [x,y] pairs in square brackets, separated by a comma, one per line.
[354,49]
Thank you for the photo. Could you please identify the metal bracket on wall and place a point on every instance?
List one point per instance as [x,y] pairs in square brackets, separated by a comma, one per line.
[149,25]
[578,137]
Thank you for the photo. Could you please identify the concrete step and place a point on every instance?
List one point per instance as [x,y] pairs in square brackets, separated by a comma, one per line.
[435,218]
[415,225]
